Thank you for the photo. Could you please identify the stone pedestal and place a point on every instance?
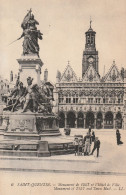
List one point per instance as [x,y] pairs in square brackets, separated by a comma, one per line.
[30,126]
[43,149]
[21,126]
[30,65]
[27,134]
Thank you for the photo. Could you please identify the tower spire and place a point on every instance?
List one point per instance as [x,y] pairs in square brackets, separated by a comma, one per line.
[68,62]
[90,21]
[90,54]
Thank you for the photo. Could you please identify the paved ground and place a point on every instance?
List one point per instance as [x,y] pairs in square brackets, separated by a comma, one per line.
[112,159]
[110,168]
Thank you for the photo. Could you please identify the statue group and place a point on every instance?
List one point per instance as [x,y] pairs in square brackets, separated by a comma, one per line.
[33,98]
[30,34]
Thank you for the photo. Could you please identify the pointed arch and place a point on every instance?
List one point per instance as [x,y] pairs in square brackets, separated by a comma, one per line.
[108,120]
[71,119]
[99,120]
[90,119]
[119,120]
[80,120]
[61,120]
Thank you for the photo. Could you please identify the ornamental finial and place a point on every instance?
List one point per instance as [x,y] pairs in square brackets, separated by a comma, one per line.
[90,21]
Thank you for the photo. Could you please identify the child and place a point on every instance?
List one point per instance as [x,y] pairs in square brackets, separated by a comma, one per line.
[80,146]
[76,145]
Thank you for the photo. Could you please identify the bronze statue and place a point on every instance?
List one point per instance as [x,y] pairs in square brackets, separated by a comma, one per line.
[30,34]
[32,23]
[33,98]
[20,97]
[36,99]
[30,96]
[17,97]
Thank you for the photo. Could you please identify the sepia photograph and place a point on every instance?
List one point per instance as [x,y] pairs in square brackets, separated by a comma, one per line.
[62,97]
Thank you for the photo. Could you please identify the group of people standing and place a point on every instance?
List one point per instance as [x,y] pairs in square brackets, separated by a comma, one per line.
[83,145]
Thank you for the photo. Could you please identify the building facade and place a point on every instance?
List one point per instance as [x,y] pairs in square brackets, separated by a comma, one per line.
[92,101]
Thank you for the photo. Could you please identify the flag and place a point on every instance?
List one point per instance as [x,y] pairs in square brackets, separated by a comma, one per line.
[26,19]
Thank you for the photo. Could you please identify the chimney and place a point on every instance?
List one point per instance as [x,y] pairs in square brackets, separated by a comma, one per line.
[46,75]
[11,76]
[58,76]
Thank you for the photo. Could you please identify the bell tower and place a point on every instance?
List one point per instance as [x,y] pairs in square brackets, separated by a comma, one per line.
[90,55]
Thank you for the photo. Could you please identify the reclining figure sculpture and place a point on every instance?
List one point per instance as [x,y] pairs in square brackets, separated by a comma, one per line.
[33,98]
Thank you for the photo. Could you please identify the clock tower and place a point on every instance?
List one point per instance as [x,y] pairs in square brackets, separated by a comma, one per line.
[90,55]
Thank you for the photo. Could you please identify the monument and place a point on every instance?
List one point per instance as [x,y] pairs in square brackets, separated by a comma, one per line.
[30,102]
[28,116]
[30,62]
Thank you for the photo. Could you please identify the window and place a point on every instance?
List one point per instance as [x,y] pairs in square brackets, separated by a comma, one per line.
[75,100]
[90,100]
[61,100]
[106,101]
[98,100]
[68,100]
[119,101]
[112,100]
[83,100]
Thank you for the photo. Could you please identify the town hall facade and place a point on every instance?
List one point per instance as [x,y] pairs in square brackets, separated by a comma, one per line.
[92,101]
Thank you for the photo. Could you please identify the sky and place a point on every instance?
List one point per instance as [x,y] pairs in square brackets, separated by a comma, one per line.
[63,24]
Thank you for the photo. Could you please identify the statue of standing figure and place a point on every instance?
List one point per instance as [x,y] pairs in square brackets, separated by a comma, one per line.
[30,34]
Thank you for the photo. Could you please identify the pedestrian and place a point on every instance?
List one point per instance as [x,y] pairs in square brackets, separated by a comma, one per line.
[76,146]
[93,136]
[118,137]
[96,146]
[89,130]
[80,146]
[87,144]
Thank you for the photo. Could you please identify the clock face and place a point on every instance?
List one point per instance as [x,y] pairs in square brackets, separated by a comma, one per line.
[90,59]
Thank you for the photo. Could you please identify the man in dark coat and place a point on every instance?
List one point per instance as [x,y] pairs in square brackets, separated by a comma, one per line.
[93,136]
[89,130]
[118,137]
[96,146]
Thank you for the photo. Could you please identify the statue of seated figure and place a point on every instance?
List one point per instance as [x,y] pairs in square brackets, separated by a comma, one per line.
[16,98]
[33,98]
[19,99]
